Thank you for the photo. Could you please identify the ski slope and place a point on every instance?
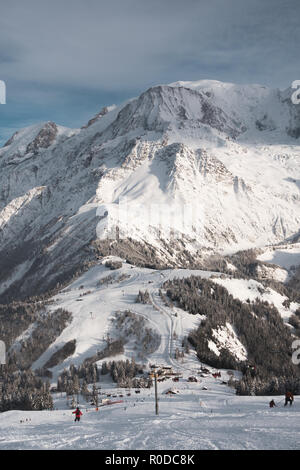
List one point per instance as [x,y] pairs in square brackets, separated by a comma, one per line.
[193,419]
[93,307]
[201,415]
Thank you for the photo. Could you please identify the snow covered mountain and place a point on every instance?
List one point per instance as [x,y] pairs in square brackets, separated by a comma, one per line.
[180,172]
[179,176]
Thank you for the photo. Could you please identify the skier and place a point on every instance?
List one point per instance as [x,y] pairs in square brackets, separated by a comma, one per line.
[272,404]
[289,398]
[77,414]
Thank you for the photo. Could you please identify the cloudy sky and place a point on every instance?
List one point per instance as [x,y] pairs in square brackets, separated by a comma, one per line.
[62,60]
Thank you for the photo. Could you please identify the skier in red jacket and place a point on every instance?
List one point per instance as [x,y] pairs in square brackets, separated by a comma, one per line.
[289,398]
[77,414]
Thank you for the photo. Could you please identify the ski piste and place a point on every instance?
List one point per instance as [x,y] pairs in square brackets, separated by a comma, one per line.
[201,414]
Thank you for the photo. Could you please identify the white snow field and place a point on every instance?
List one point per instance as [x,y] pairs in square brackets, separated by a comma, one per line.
[192,419]
[199,415]
[285,256]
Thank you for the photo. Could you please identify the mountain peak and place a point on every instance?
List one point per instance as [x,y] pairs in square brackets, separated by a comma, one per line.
[105,110]
[45,137]
[33,139]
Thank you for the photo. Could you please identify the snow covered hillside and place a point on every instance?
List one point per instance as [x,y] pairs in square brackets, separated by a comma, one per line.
[285,259]
[184,170]
[97,295]
[196,415]
[201,414]
[249,290]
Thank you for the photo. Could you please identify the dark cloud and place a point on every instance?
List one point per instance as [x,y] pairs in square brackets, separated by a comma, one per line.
[67,58]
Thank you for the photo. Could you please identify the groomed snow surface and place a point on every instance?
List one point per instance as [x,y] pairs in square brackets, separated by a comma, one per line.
[203,415]
[193,419]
